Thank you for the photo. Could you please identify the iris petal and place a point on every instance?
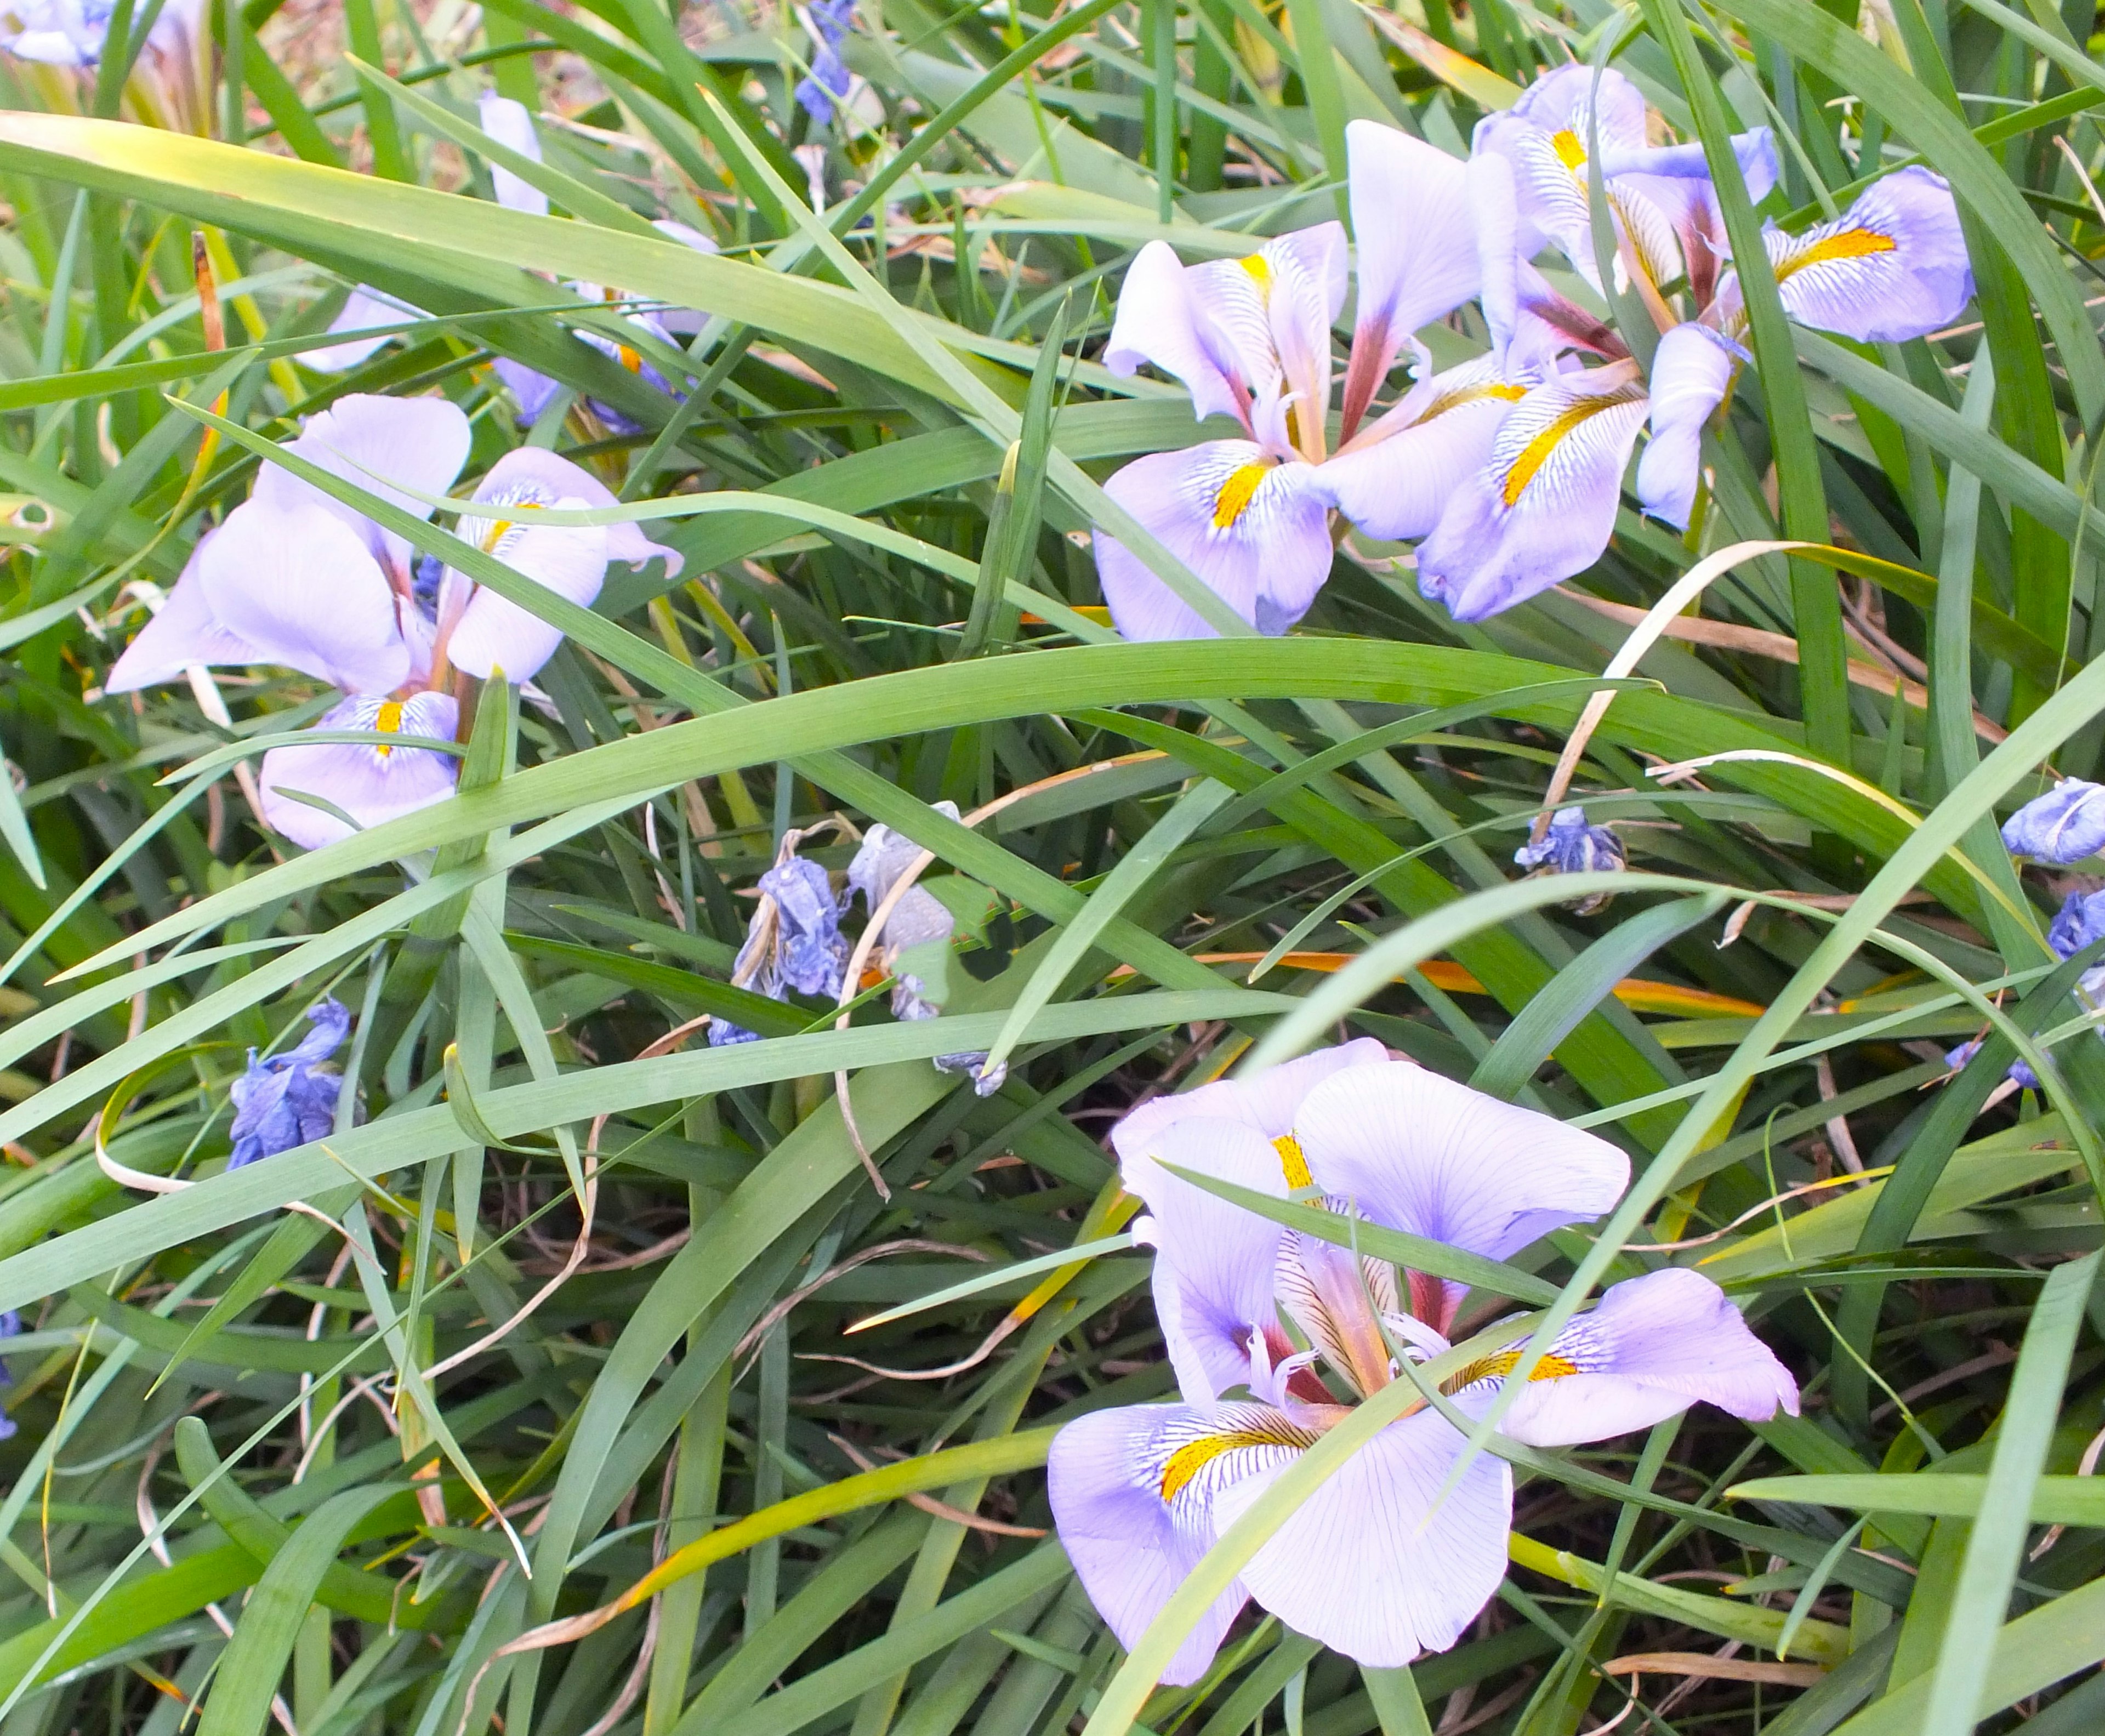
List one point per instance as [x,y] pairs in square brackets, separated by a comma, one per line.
[297,584]
[1156,323]
[1412,214]
[1268,1103]
[1691,373]
[184,633]
[1254,528]
[508,122]
[1892,267]
[371,785]
[1396,487]
[1655,1346]
[1542,507]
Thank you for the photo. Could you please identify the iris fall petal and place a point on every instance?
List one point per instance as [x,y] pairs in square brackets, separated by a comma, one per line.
[371,785]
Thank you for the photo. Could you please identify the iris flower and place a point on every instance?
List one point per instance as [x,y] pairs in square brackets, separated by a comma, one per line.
[1507,470]
[72,32]
[1275,1336]
[794,941]
[295,577]
[282,1101]
[827,21]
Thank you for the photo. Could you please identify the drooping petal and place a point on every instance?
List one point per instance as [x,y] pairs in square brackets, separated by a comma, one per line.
[297,584]
[1255,529]
[1542,507]
[1415,224]
[1214,1262]
[1421,1154]
[371,440]
[2064,825]
[1691,372]
[1133,1492]
[1892,267]
[371,785]
[508,122]
[1655,1346]
[570,560]
[330,1021]
[1156,323]
[365,310]
[1397,486]
[1383,1563]
[1268,1103]
[2080,923]
[183,633]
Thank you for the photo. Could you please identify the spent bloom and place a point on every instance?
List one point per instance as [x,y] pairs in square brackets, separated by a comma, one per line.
[296,578]
[283,1101]
[914,943]
[1507,470]
[11,1326]
[2064,825]
[794,940]
[1569,846]
[1276,1335]
[826,21]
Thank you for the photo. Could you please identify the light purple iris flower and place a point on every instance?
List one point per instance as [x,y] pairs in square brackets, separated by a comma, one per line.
[295,577]
[73,32]
[2064,825]
[1386,1560]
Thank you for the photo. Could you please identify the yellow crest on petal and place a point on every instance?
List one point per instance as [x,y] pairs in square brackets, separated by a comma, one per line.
[1851,244]
[1538,451]
[1292,1162]
[1235,494]
[1571,149]
[388,721]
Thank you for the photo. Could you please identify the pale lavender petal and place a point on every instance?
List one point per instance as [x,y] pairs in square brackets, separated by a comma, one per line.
[508,122]
[534,390]
[365,310]
[297,584]
[184,632]
[370,440]
[530,472]
[1562,102]
[1254,528]
[1892,267]
[1214,1261]
[1420,1153]
[1132,1547]
[1756,151]
[1691,372]
[1156,323]
[1384,1562]
[1396,487]
[1268,1103]
[1543,506]
[1655,1346]
[371,785]
[1302,277]
[1414,220]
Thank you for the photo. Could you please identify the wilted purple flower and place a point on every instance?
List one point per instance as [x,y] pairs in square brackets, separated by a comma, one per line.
[1956,1059]
[2080,922]
[1398,1551]
[828,20]
[11,1325]
[919,929]
[1572,846]
[282,1102]
[2064,825]
[794,942]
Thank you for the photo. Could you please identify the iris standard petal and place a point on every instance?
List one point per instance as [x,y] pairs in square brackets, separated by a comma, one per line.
[508,122]
[365,309]
[183,633]
[1214,1262]
[1156,323]
[1416,227]
[1691,372]
[1268,1103]
[1562,100]
[1397,486]
[1655,1346]
[1298,281]
[299,584]
[1542,507]
[1254,527]
[2064,825]
[1892,267]
[370,784]
[1133,1492]
[1421,1154]
[1384,1562]
[555,478]
[371,440]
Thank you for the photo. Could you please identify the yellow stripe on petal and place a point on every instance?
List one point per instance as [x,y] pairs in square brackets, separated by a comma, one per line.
[1234,499]
[1292,1162]
[1195,1456]
[388,721]
[1476,394]
[1539,451]
[1850,243]
[1258,267]
[1499,1365]
[1571,149]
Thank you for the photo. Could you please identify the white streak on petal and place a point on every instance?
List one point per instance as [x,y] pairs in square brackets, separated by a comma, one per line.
[1396,487]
